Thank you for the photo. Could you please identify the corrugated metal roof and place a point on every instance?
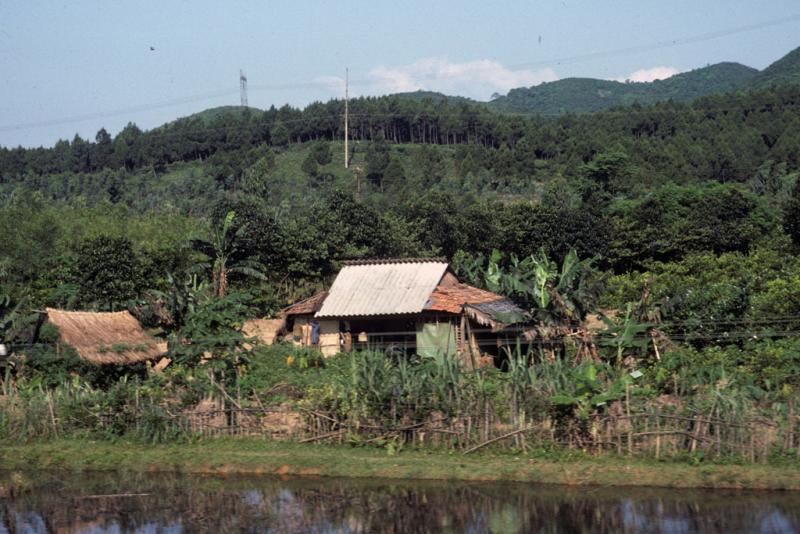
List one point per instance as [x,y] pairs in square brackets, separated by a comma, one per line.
[382,289]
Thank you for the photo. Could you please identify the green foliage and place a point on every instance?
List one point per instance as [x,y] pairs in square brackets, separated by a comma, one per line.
[680,202]
[791,214]
[107,272]
[279,135]
[310,166]
[211,336]
[675,220]
[551,296]
[321,153]
[226,254]
[707,299]
[377,161]
[624,333]
[784,71]
[581,95]
[586,392]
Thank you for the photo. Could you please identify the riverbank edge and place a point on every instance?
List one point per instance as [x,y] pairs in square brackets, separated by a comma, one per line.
[243,456]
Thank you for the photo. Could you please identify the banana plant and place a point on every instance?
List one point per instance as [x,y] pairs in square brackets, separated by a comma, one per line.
[225,255]
[173,306]
[624,334]
[15,319]
[586,391]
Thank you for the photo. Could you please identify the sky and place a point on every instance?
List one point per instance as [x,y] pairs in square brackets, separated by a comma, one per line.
[74,67]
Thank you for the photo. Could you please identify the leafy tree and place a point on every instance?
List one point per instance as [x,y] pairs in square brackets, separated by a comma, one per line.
[673,220]
[256,178]
[212,336]
[624,333]
[309,166]
[321,152]
[107,272]
[791,214]
[128,147]
[259,233]
[377,160]
[279,135]
[103,150]
[225,256]
[610,170]
[394,174]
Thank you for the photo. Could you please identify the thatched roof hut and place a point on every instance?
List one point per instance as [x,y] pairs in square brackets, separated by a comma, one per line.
[106,338]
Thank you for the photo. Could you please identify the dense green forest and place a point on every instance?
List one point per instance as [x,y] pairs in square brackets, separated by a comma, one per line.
[684,219]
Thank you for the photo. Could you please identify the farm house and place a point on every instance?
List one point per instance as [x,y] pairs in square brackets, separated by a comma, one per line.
[407,305]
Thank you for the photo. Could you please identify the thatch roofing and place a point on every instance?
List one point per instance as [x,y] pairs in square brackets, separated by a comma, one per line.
[106,338]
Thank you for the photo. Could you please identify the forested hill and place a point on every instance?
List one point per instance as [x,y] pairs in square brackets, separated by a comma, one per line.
[583,95]
[666,188]
[784,71]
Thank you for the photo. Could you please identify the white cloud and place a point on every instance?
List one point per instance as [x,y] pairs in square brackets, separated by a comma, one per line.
[476,79]
[652,74]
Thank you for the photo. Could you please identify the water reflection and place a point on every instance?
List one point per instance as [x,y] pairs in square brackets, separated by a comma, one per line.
[110,503]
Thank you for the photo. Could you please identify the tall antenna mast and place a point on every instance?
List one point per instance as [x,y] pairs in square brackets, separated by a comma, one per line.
[243,88]
[346,117]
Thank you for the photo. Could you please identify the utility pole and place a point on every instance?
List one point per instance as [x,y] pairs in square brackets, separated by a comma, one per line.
[243,88]
[346,117]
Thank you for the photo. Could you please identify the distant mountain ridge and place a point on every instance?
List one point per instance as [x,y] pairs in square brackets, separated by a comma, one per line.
[784,71]
[582,95]
[586,95]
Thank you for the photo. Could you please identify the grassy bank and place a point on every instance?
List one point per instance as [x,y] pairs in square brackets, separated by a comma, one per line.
[242,456]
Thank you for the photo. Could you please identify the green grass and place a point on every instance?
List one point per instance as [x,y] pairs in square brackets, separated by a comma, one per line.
[257,457]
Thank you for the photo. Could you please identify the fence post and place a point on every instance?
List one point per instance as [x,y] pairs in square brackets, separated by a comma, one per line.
[658,432]
[630,421]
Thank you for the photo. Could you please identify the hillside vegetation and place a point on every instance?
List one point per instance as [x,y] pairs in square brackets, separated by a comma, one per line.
[784,71]
[583,95]
[586,95]
[679,221]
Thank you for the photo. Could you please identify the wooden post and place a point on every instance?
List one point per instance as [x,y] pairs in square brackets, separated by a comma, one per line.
[658,432]
[52,413]
[630,421]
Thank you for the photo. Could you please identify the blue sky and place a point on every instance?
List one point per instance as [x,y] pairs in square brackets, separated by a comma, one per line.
[73,67]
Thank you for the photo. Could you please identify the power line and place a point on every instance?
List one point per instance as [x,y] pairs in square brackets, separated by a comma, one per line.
[699,38]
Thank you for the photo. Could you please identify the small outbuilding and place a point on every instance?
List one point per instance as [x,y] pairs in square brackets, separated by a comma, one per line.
[405,305]
[265,330]
[106,337]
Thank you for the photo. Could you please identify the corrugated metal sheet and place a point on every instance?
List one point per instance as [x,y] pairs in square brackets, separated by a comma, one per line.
[382,289]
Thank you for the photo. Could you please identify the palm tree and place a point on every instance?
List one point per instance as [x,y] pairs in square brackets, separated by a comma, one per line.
[225,255]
